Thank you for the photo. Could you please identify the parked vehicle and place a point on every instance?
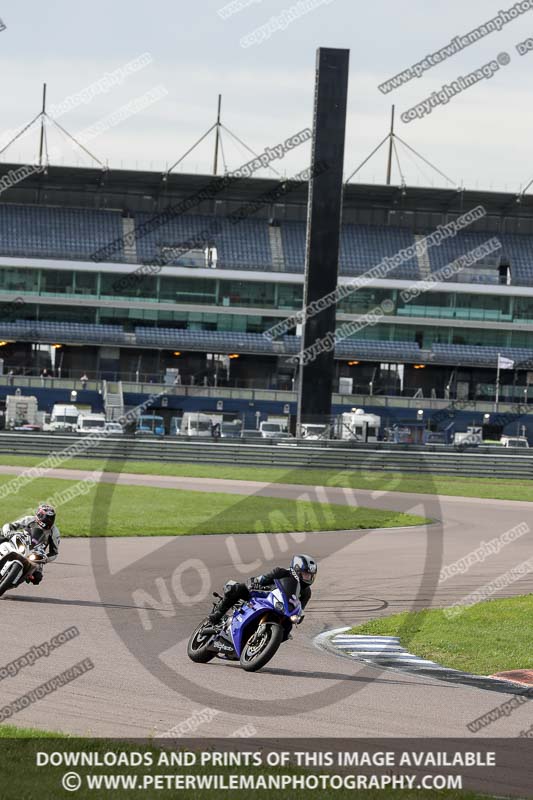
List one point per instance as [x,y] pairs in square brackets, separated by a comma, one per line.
[285,440]
[194,423]
[22,410]
[251,433]
[471,438]
[113,428]
[175,426]
[27,428]
[150,425]
[253,630]
[358,425]
[441,437]
[18,560]
[88,423]
[269,430]
[514,441]
[435,438]
[398,434]
[63,418]
[315,432]
[464,441]
[231,430]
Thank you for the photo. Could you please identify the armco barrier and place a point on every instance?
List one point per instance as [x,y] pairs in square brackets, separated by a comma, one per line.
[490,465]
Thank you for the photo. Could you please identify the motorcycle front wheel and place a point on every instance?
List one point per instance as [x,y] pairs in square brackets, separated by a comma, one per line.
[261,647]
[197,647]
[10,577]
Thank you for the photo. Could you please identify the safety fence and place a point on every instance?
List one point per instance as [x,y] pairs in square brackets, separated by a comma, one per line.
[287,455]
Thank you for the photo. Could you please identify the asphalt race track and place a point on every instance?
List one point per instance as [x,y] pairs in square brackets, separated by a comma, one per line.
[304,691]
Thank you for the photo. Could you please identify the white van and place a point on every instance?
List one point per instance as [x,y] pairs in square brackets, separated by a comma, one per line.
[63,418]
[271,430]
[514,441]
[314,432]
[88,423]
[194,423]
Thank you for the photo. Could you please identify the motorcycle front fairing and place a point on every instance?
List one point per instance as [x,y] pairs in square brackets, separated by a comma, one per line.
[20,548]
[15,549]
[289,593]
[281,601]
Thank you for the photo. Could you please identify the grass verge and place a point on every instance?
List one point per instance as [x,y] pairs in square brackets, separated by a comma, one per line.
[460,486]
[13,732]
[489,637]
[112,510]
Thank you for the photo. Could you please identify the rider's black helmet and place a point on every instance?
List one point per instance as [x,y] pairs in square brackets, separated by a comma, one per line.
[305,568]
[45,516]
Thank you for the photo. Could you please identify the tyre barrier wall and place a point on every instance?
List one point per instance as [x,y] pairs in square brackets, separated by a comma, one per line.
[368,458]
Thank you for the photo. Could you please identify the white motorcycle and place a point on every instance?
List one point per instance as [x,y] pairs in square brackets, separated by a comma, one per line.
[19,560]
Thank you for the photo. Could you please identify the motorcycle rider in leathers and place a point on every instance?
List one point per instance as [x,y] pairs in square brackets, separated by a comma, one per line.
[302,567]
[43,531]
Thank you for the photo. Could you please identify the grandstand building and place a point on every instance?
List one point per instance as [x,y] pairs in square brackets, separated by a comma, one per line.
[227,264]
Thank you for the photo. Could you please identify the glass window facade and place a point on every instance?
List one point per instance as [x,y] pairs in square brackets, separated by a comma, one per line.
[363,300]
[86,283]
[252,294]
[152,288]
[446,305]
[216,293]
[429,335]
[246,293]
[15,279]
[187,290]
[56,281]
[64,313]
[290,295]
[142,287]
[523,309]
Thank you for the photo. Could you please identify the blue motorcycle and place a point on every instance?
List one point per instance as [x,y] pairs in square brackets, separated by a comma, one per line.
[252,631]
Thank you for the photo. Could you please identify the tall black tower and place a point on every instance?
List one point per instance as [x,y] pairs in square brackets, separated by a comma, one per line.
[323,228]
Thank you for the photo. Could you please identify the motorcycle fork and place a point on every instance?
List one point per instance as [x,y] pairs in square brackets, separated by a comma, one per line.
[261,626]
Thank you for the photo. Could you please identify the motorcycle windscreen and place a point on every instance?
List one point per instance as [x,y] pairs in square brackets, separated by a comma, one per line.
[290,586]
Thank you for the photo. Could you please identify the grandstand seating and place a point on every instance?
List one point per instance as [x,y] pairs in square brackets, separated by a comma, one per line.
[76,233]
[378,351]
[455,246]
[60,232]
[233,341]
[217,341]
[240,342]
[62,331]
[56,232]
[240,245]
[518,248]
[361,247]
[476,355]
[257,343]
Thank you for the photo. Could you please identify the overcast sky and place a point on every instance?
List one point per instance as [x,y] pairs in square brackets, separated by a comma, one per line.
[480,139]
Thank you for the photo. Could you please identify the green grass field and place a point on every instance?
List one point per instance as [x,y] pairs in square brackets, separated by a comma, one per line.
[486,638]
[21,779]
[111,510]
[460,486]
[13,732]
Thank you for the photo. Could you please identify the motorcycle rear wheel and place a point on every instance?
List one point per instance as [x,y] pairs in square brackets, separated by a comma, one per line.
[256,655]
[8,579]
[197,646]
